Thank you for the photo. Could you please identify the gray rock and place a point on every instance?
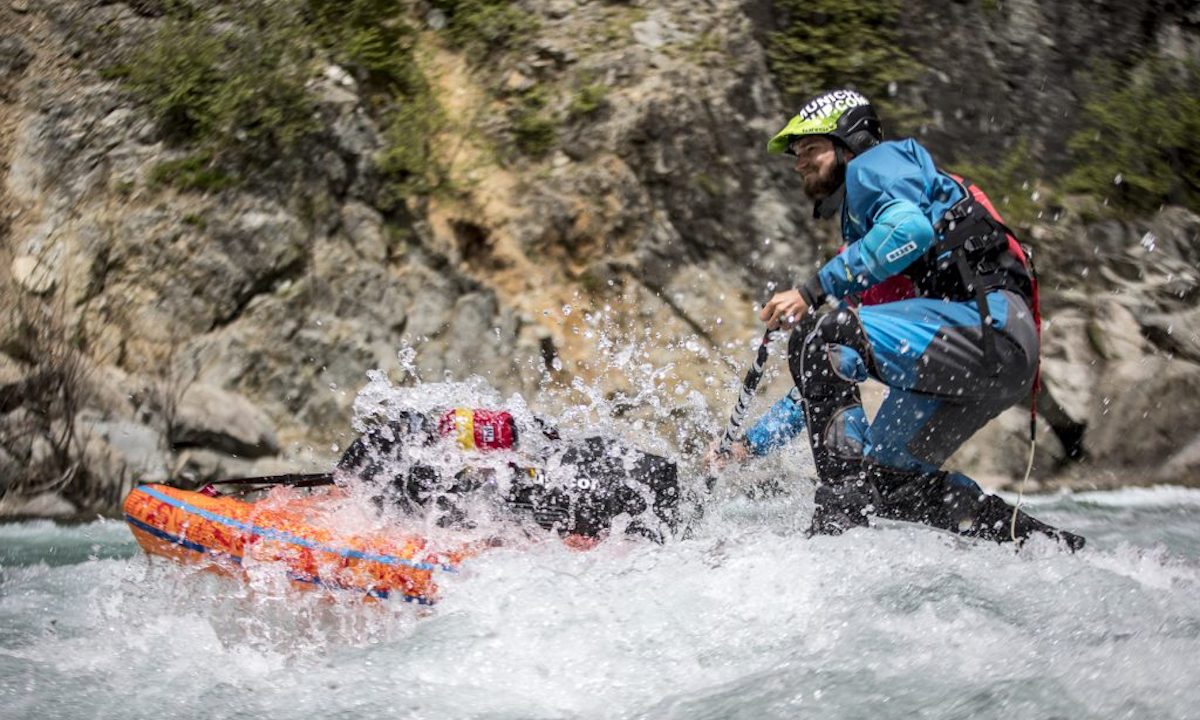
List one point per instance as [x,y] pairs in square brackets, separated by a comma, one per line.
[555,51]
[44,505]
[1070,363]
[364,225]
[11,372]
[214,418]
[110,392]
[559,9]
[1115,332]
[1146,410]
[1176,233]
[245,254]
[41,452]
[429,312]
[9,468]
[649,33]
[140,448]
[1177,333]
[108,474]
[336,96]
[197,466]
[17,429]
[516,82]
[1183,466]
[14,56]
[661,27]
[36,275]
[472,346]
[353,131]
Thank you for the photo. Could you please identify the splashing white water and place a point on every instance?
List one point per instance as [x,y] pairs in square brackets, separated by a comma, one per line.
[746,618]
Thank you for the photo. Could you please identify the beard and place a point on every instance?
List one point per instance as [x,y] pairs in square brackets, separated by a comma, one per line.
[822,183]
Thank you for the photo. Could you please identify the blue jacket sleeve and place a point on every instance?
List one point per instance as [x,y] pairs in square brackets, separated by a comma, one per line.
[900,233]
[777,427]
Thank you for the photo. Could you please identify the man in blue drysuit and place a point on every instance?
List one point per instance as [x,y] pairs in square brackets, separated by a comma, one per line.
[948,370]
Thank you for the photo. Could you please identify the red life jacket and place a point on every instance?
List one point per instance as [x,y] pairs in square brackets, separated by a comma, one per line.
[902,287]
[1014,247]
[982,261]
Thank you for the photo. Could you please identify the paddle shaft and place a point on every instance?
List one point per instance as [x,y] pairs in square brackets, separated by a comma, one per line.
[749,386]
[293,479]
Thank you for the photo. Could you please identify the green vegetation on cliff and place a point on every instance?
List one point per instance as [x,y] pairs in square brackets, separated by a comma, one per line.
[230,87]
[369,38]
[534,129]
[233,86]
[1011,184]
[830,43]
[372,40]
[1139,146]
[1135,141]
[231,83]
[483,26]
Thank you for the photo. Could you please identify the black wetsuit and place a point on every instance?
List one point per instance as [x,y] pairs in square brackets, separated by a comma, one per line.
[575,486]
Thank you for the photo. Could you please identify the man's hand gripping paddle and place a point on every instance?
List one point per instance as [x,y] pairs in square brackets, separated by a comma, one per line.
[749,386]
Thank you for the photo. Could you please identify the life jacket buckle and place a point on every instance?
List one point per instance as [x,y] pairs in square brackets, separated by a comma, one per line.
[980,243]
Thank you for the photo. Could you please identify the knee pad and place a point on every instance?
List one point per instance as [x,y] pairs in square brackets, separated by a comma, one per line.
[815,366]
[829,396]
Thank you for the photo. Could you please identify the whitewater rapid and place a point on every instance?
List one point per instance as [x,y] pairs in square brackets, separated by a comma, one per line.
[746,620]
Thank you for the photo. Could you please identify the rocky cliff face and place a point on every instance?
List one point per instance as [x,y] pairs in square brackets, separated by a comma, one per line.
[226,330]
[995,74]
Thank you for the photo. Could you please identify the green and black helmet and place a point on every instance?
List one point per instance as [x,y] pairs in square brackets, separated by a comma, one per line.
[844,115]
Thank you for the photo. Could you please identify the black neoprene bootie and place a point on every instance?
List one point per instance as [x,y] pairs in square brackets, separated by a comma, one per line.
[969,511]
[840,507]
[1073,542]
[995,522]
[954,502]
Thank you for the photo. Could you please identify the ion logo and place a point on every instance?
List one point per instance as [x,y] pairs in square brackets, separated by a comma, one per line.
[900,252]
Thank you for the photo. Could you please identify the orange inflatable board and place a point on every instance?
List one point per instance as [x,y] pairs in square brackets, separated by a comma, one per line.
[225,533]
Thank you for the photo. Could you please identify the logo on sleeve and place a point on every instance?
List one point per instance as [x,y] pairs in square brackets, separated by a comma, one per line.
[900,252]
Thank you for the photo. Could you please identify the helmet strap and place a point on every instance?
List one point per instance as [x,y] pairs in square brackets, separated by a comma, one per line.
[828,206]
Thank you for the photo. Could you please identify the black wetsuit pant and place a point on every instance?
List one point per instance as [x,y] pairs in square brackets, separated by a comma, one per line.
[941,394]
